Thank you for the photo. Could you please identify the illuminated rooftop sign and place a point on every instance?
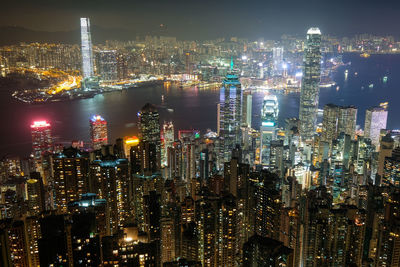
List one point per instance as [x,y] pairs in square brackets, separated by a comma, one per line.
[40,124]
[268,123]
[97,118]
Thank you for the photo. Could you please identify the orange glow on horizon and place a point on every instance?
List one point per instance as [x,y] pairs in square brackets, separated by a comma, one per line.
[132,140]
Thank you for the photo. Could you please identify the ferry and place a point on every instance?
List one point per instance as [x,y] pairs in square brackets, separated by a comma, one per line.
[365,55]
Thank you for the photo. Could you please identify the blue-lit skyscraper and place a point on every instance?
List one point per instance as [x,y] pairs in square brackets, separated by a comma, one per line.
[310,84]
[230,114]
[269,118]
[86,49]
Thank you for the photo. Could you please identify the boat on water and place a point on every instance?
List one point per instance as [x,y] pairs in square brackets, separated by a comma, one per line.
[365,55]
[327,84]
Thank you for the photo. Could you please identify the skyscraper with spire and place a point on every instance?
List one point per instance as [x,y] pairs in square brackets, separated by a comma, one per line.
[86,49]
[309,95]
[230,114]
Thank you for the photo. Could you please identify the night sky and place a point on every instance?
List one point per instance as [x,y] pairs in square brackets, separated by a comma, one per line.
[199,19]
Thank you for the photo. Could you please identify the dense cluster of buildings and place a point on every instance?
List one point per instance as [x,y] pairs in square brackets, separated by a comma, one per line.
[207,60]
[299,194]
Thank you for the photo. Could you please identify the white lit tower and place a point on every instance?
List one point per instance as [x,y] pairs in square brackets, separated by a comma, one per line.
[86,49]
[309,95]
[168,138]
[269,118]
[277,58]
[230,114]
[375,121]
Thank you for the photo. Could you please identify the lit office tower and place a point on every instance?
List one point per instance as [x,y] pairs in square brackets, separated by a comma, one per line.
[269,118]
[86,49]
[107,65]
[277,58]
[375,120]
[338,119]
[98,131]
[41,138]
[347,119]
[247,109]
[309,95]
[230,114]
[168,138]
[149,126]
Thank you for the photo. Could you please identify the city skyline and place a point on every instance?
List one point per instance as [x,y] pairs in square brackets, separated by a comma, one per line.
[156,151]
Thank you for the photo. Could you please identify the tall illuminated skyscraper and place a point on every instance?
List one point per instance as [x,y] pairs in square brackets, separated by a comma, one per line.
[277,58]
[167,140]
[230,114]
[247,109]
[149,126]
[86,49]
[98,131]
[309,95]
[269,118]
[375,120]
[41,138]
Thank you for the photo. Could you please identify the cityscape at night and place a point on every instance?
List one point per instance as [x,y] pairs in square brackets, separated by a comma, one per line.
[226,134]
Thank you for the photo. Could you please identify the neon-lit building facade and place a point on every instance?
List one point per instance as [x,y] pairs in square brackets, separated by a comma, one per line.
[269,118]
[41,138]
[86,49]
[98,132]
[309,95]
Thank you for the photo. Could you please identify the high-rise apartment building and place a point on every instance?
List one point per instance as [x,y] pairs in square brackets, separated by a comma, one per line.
[309,95]
[70,168]
[110,180]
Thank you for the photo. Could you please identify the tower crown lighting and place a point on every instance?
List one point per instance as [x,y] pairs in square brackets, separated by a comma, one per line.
[97,118]
[314,30]
[40,124]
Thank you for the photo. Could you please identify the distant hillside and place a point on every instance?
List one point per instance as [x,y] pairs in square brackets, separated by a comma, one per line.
[13,35]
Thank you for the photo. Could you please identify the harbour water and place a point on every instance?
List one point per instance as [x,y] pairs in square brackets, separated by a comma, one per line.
[193,107]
